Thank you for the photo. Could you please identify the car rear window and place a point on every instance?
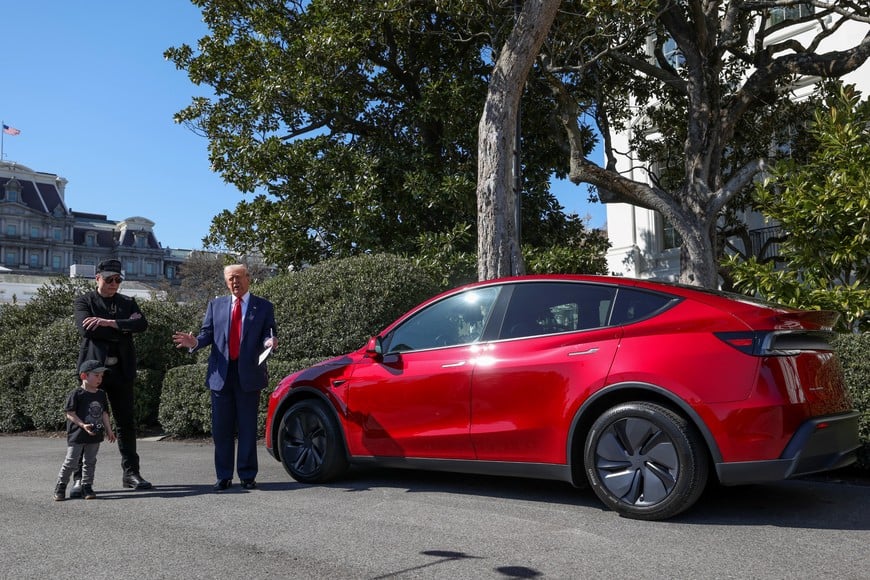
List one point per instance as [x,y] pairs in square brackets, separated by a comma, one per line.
[538,308]
[632,305]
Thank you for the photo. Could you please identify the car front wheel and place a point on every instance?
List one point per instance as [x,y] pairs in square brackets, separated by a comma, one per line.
[644,461]
[310,443]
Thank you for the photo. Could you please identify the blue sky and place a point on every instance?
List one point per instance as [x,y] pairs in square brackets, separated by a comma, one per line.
[87,86]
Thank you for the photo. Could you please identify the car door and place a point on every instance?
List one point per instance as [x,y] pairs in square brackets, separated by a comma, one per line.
[554,349]
[414,401]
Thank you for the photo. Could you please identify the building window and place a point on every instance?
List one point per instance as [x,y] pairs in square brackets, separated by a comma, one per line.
[91,240]
[149,268]
[131,268]
[35,232]
[55,262]
[12,259]
[11,230]
[670,237]
[784,13]
[170,272]
[11,195]
[34,260]
[57,234]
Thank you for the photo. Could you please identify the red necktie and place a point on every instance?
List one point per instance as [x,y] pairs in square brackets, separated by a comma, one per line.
[236,329]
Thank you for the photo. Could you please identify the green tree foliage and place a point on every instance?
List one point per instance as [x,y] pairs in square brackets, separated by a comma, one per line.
[822,203]
[353,124]
[201,276]
[586,255]
[702,91]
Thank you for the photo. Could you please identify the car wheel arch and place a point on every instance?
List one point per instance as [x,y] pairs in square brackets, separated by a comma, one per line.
[302,393]
[616,394]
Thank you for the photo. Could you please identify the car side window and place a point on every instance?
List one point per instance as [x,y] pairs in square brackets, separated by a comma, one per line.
[539,308]
[458,319]
[632,305]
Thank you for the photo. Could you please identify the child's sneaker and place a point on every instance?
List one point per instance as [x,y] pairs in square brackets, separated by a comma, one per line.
[88,492]
[60,491]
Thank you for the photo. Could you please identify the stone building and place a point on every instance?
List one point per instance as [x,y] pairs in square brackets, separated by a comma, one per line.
[42,237]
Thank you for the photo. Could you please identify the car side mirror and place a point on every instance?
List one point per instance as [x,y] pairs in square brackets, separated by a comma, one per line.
[375,348]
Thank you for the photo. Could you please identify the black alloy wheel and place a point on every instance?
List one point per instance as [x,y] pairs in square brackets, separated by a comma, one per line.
[310,443]
[645,461]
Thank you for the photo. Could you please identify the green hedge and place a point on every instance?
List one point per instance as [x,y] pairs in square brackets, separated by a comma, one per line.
[853,351]
[14,379]
[45,398]
[45,395]
[185,404]
[185,407]
[334,307]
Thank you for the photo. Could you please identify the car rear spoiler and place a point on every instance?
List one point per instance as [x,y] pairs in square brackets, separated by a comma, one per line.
[807,319]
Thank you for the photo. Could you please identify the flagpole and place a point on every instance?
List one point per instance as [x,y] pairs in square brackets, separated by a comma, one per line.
[2,140]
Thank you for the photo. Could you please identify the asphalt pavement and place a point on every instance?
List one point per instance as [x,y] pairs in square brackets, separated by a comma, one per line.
[378,524]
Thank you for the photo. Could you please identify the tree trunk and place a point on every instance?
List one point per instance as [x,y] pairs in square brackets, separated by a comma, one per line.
[698,264]
[499,253]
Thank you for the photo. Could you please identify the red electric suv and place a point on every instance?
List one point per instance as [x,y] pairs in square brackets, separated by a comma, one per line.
[643,390]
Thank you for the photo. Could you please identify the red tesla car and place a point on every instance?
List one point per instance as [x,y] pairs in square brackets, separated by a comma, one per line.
[642,390]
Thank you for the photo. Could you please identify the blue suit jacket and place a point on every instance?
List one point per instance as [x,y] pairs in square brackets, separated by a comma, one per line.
[258,325]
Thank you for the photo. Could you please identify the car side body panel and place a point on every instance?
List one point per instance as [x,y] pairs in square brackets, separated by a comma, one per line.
[526,392]
[411,404]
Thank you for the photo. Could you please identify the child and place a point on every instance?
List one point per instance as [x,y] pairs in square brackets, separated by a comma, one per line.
[86,420]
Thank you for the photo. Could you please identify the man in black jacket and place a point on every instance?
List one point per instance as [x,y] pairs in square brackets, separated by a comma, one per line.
[106,321]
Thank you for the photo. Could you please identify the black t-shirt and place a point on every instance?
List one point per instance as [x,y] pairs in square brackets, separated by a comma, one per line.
[89,407]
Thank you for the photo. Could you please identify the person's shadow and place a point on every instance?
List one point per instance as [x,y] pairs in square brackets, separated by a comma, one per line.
[181,491]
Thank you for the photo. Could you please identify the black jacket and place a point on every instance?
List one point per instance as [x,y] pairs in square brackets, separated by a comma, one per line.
[104,341]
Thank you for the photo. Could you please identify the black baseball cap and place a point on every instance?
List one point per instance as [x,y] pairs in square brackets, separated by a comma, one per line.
[110,268]
[92,366]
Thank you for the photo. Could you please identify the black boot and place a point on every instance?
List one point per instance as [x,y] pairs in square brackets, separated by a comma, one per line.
[135,481]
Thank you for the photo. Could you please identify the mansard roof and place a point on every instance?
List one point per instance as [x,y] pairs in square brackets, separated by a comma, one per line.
[38,196]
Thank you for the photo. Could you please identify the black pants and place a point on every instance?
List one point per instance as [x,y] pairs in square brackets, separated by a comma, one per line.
[123,411]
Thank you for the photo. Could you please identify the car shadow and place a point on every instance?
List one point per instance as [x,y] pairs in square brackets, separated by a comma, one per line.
[799,503]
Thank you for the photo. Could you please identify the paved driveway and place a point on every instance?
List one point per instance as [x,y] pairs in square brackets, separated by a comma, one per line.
[398,524]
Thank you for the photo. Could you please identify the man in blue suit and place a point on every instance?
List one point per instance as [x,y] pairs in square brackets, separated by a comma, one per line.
[235,374]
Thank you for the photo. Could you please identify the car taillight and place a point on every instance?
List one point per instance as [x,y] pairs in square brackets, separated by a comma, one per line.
[778,342]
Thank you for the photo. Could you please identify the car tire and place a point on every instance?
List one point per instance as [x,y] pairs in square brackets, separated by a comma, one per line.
[310,443]
[645,461]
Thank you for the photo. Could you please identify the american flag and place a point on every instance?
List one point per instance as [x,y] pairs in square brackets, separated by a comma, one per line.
[10,130]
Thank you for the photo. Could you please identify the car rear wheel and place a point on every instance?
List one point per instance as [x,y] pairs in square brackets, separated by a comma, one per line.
[310,443]
[645,462]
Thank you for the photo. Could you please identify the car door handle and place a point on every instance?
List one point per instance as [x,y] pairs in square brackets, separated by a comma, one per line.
[451,365]
[592,350]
